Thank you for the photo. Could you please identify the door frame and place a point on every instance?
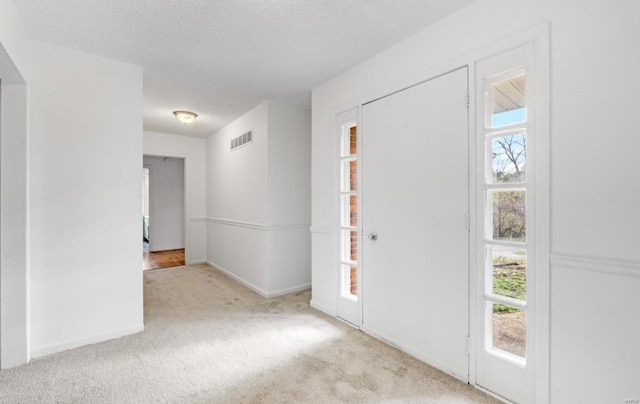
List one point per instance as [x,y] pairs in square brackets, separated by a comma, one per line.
[539,37]
[186,213]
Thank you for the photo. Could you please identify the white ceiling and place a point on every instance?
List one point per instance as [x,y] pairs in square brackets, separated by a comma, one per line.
[220,58]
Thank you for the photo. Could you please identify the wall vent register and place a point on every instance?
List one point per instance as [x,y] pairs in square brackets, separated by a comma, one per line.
[241,140]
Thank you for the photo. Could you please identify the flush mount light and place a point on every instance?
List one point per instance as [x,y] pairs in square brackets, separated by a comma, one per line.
[185,117]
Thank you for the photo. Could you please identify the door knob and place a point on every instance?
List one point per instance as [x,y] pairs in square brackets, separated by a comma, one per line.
[373,236]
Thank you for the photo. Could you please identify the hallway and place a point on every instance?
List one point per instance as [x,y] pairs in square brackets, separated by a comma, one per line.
[162,259]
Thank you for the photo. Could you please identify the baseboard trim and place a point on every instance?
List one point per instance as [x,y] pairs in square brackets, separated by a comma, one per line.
[12,359]
[260,291]
[197,262]
[287,291]
[80,342]
[238,279]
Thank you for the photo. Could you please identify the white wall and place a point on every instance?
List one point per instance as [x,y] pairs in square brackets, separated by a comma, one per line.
[289,168]
[85,158]
[166,197]
[595,196]
[289,244]
[193,151]
[13,219]
[15,42]
[237,199]
[14,66]
[257,200]
[237,180]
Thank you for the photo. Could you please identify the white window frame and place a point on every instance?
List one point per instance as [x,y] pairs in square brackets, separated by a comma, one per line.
[538,149]
[343,210]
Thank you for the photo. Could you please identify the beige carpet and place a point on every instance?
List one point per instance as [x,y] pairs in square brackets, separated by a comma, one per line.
[208,339]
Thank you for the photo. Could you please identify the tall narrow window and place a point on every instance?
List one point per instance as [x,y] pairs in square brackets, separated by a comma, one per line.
[505,200]
[349,210]
[513,221]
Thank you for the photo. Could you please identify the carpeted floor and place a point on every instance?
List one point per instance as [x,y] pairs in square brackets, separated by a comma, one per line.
[209,339]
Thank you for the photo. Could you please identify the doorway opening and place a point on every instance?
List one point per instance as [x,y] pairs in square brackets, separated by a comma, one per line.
[145,209]
[163,212]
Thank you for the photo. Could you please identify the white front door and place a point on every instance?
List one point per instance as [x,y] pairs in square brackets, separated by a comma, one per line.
[415,204]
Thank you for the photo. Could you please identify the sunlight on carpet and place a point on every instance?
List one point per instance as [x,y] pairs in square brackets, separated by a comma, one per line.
[209,339]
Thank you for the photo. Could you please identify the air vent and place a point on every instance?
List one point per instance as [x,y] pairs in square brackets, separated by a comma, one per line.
[241,140]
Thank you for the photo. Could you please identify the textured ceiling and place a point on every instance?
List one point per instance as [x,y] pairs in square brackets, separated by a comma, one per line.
[220,58]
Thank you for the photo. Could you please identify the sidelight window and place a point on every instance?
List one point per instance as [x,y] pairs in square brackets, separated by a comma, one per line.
[349,210]
[506,192]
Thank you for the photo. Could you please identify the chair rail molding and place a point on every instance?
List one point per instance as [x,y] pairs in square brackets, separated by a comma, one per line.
[595,264]
[257,226]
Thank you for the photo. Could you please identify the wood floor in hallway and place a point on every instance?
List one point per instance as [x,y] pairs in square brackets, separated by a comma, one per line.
[162,259]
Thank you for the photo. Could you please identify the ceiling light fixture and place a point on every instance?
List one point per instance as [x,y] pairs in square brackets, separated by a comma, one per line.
[185,117]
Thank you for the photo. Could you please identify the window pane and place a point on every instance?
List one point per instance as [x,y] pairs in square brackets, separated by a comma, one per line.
[349,140]
[353,175]
[508,268]
[508,155]
[349,281]
[349,208]
[509,219]
[509,329]
[349,245]
[353,245]
[506,104]
[353,210]
[349,176]
[353,140]
[353,280]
